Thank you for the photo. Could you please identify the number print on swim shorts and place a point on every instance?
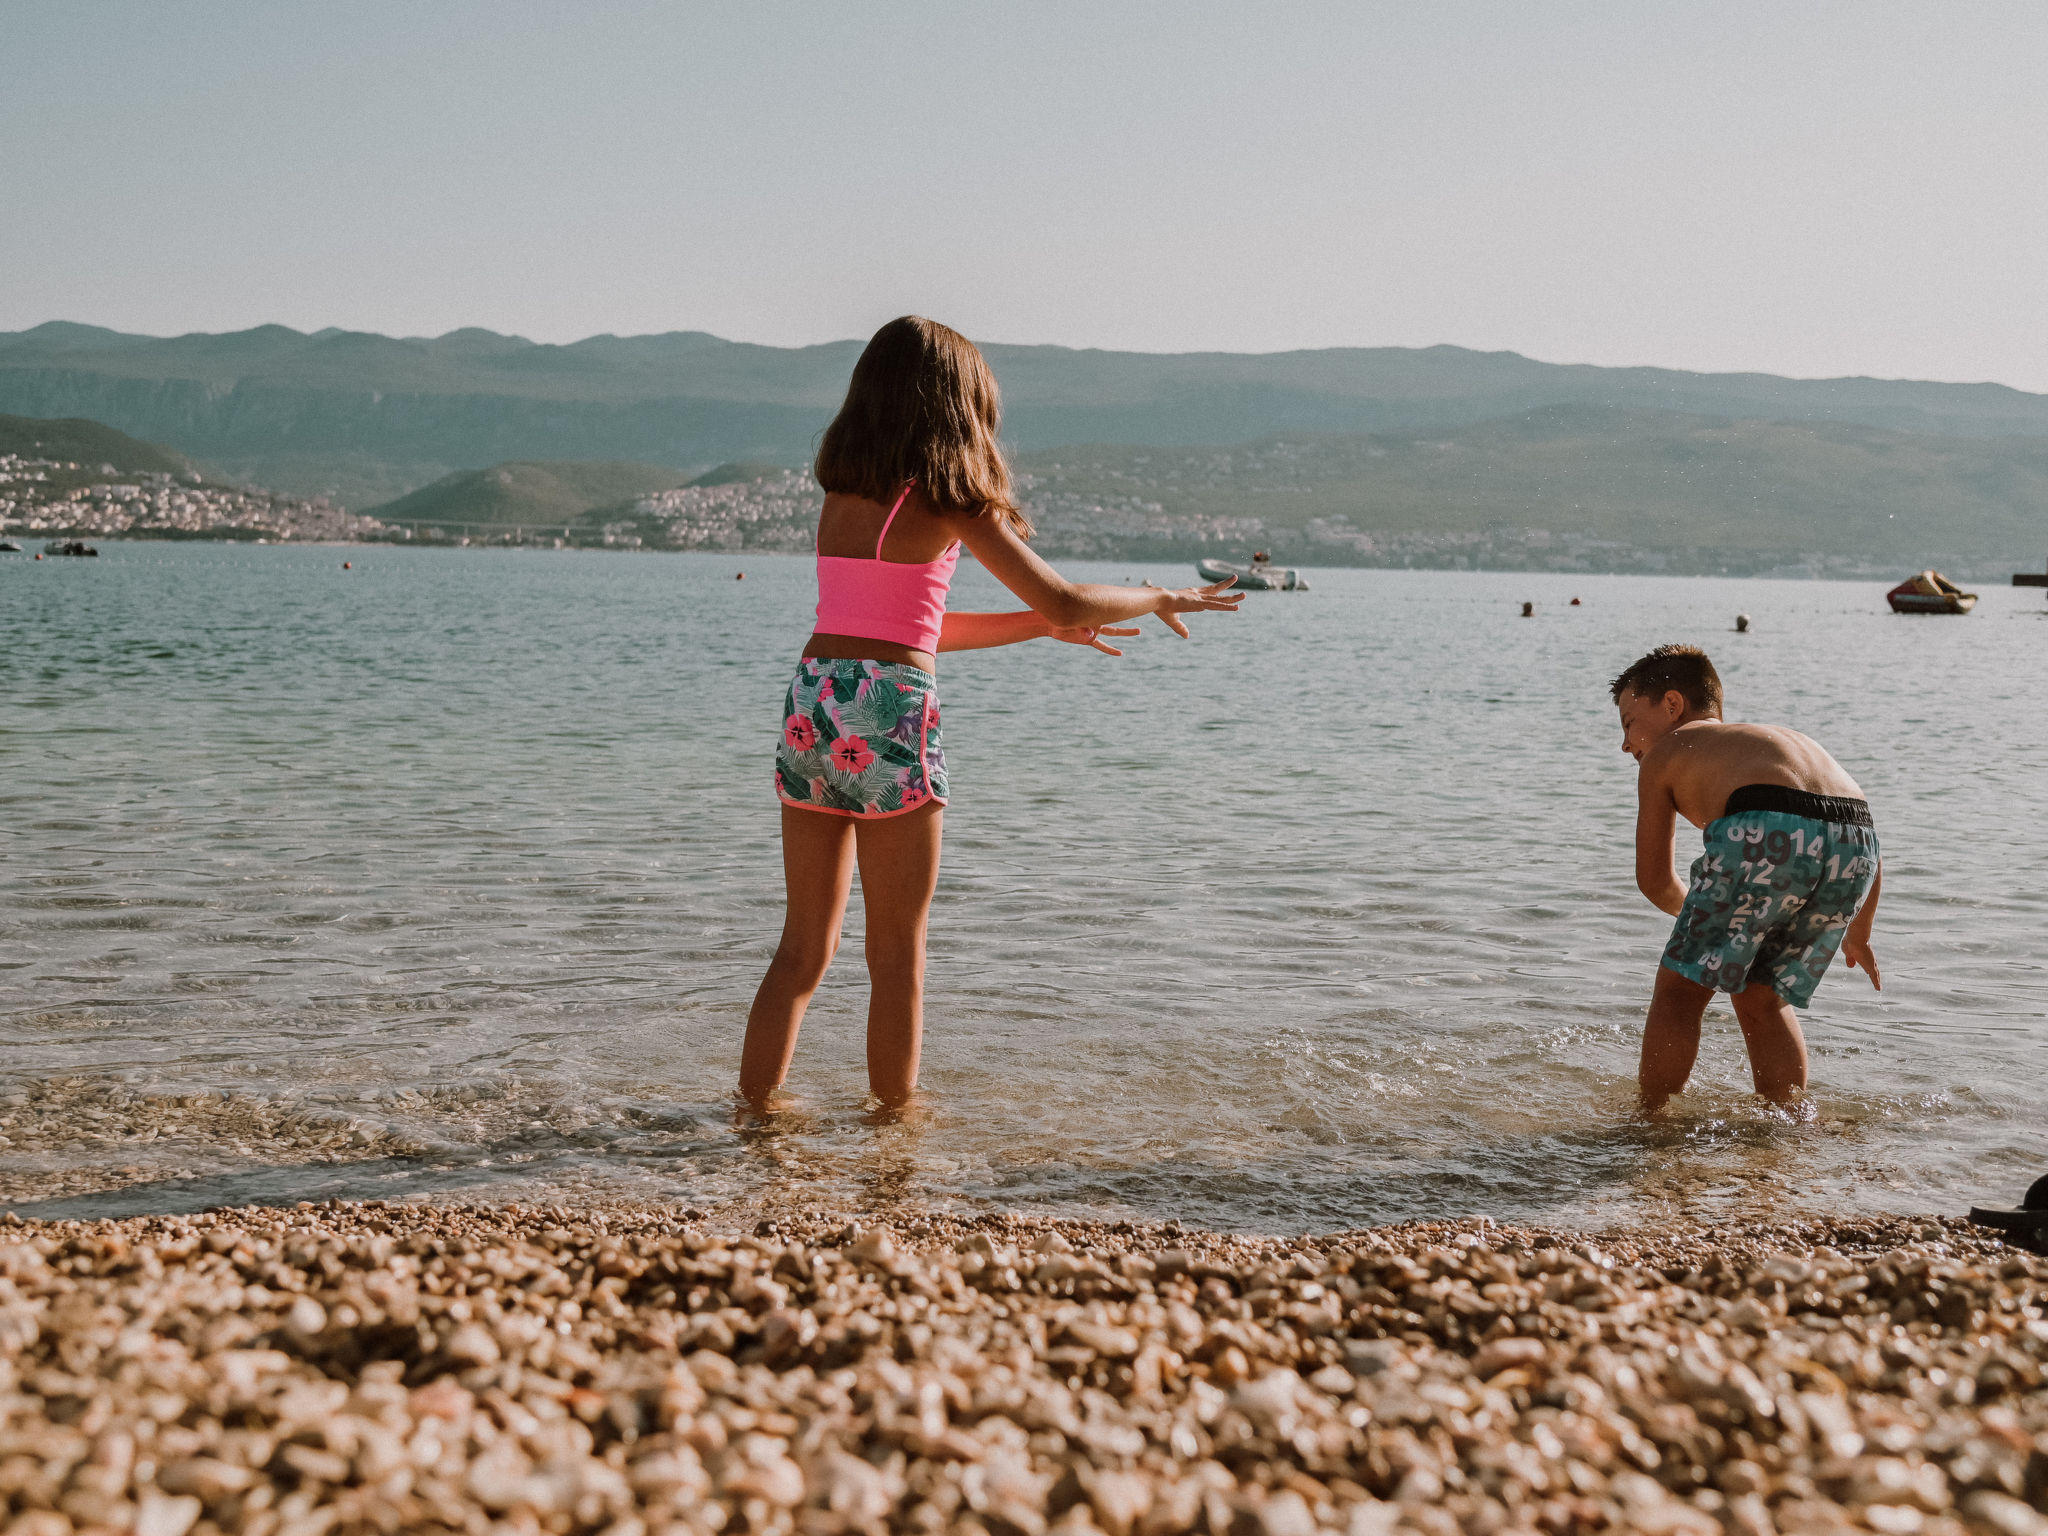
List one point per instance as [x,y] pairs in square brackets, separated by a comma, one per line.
[1771,897]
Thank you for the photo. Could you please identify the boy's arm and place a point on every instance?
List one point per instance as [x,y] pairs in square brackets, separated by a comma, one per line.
[1856,942]
[1656,825]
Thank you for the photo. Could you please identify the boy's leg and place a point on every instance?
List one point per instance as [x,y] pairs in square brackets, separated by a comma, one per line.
[1777,1049]
[899,870]
[1671,1036]
[817,871]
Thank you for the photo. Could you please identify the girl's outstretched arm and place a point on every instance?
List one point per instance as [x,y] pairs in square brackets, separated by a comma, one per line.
[1068,604]
[981,631]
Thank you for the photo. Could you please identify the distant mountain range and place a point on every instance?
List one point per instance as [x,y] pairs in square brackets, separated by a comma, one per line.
[368,417]
[1387,455]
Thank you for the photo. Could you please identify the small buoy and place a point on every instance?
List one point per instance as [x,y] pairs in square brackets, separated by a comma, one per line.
[742,576]
[346,566]
[1575,602]
[39,557]
[1742,623]
[1528,610]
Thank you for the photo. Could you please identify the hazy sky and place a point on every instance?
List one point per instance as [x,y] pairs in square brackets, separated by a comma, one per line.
[1804,188]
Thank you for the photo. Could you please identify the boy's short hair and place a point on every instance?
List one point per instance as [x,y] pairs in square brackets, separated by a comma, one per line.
[1681,667]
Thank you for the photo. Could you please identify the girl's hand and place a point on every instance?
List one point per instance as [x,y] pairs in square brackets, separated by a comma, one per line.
[1175,601]
[1856,950]
[1086,635]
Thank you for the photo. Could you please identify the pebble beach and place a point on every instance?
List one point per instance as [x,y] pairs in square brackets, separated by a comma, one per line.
[369,1367]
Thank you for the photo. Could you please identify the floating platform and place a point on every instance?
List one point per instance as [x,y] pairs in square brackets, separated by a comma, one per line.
[1930,592]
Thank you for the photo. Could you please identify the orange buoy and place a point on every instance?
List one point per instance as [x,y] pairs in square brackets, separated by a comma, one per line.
[741,577]
[345,565]
[1575,602]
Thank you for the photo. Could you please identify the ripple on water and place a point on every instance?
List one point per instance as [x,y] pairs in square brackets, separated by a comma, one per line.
[458,878]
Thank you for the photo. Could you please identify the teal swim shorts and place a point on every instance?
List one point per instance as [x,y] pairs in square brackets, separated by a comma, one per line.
[1783,873]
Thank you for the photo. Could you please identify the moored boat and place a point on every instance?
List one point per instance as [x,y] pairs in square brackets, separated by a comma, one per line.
[1930,592]
[1260,576]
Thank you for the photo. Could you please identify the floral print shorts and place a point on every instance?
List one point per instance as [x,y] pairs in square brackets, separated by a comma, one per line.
[860,738]
[1771,897]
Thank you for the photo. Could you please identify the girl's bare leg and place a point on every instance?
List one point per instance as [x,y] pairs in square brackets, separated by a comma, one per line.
[1671,1036]
[1777,1048]
[817,870]
[899,870]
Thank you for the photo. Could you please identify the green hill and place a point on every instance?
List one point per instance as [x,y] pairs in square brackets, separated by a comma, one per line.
[1729,493]
[739,473]
[525,493]
[75,440]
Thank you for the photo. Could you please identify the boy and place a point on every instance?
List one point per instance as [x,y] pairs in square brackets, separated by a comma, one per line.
[1790,872]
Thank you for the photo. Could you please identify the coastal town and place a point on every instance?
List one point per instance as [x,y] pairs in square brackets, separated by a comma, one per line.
[53,496]
[776,512]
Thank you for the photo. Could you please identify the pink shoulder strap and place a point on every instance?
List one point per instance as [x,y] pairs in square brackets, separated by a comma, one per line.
[905,492]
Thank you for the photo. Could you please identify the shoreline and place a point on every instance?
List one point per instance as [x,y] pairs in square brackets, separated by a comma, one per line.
[1994,573]
[369,1366]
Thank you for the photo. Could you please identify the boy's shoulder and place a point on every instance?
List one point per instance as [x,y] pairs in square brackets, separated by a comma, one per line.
[1694,740]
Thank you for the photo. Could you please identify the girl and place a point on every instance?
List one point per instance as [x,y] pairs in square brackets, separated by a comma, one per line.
[911,471]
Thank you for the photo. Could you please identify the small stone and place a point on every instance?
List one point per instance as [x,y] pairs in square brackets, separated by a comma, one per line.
[165,1515]
[1370,1517]
[1114,1343]
[311,1462]
[1500,1354]
[854,1490]
[1368,1357]
[873,1248]
[471,1344]
[1335,1380]
[1120,1499]
[211,1480]
[672,1476]
[1285,1513]
[1231,1365]
[2005,1515]
[497,1478]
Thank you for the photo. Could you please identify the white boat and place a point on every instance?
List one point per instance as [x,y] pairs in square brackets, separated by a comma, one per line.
[1260,576]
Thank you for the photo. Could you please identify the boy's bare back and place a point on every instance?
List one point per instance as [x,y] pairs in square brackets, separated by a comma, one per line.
[1698,765]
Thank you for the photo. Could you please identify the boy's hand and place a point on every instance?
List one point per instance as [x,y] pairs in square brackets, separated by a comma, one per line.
[1856,950]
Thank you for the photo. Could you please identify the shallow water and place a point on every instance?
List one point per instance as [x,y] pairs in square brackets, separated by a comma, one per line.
[453,874]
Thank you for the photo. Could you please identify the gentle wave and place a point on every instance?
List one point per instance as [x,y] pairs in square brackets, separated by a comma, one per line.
[454,873]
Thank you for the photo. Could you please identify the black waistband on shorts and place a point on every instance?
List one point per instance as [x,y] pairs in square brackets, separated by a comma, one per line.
[1840,809]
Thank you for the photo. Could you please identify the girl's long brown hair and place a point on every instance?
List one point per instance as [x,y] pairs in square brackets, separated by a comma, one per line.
[922,406]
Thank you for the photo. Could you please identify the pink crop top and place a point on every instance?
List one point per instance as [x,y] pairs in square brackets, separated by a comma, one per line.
[888,600]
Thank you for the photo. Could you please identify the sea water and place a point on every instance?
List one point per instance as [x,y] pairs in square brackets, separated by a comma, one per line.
[452,874]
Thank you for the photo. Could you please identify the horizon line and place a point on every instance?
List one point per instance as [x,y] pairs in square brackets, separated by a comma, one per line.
[332,331]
